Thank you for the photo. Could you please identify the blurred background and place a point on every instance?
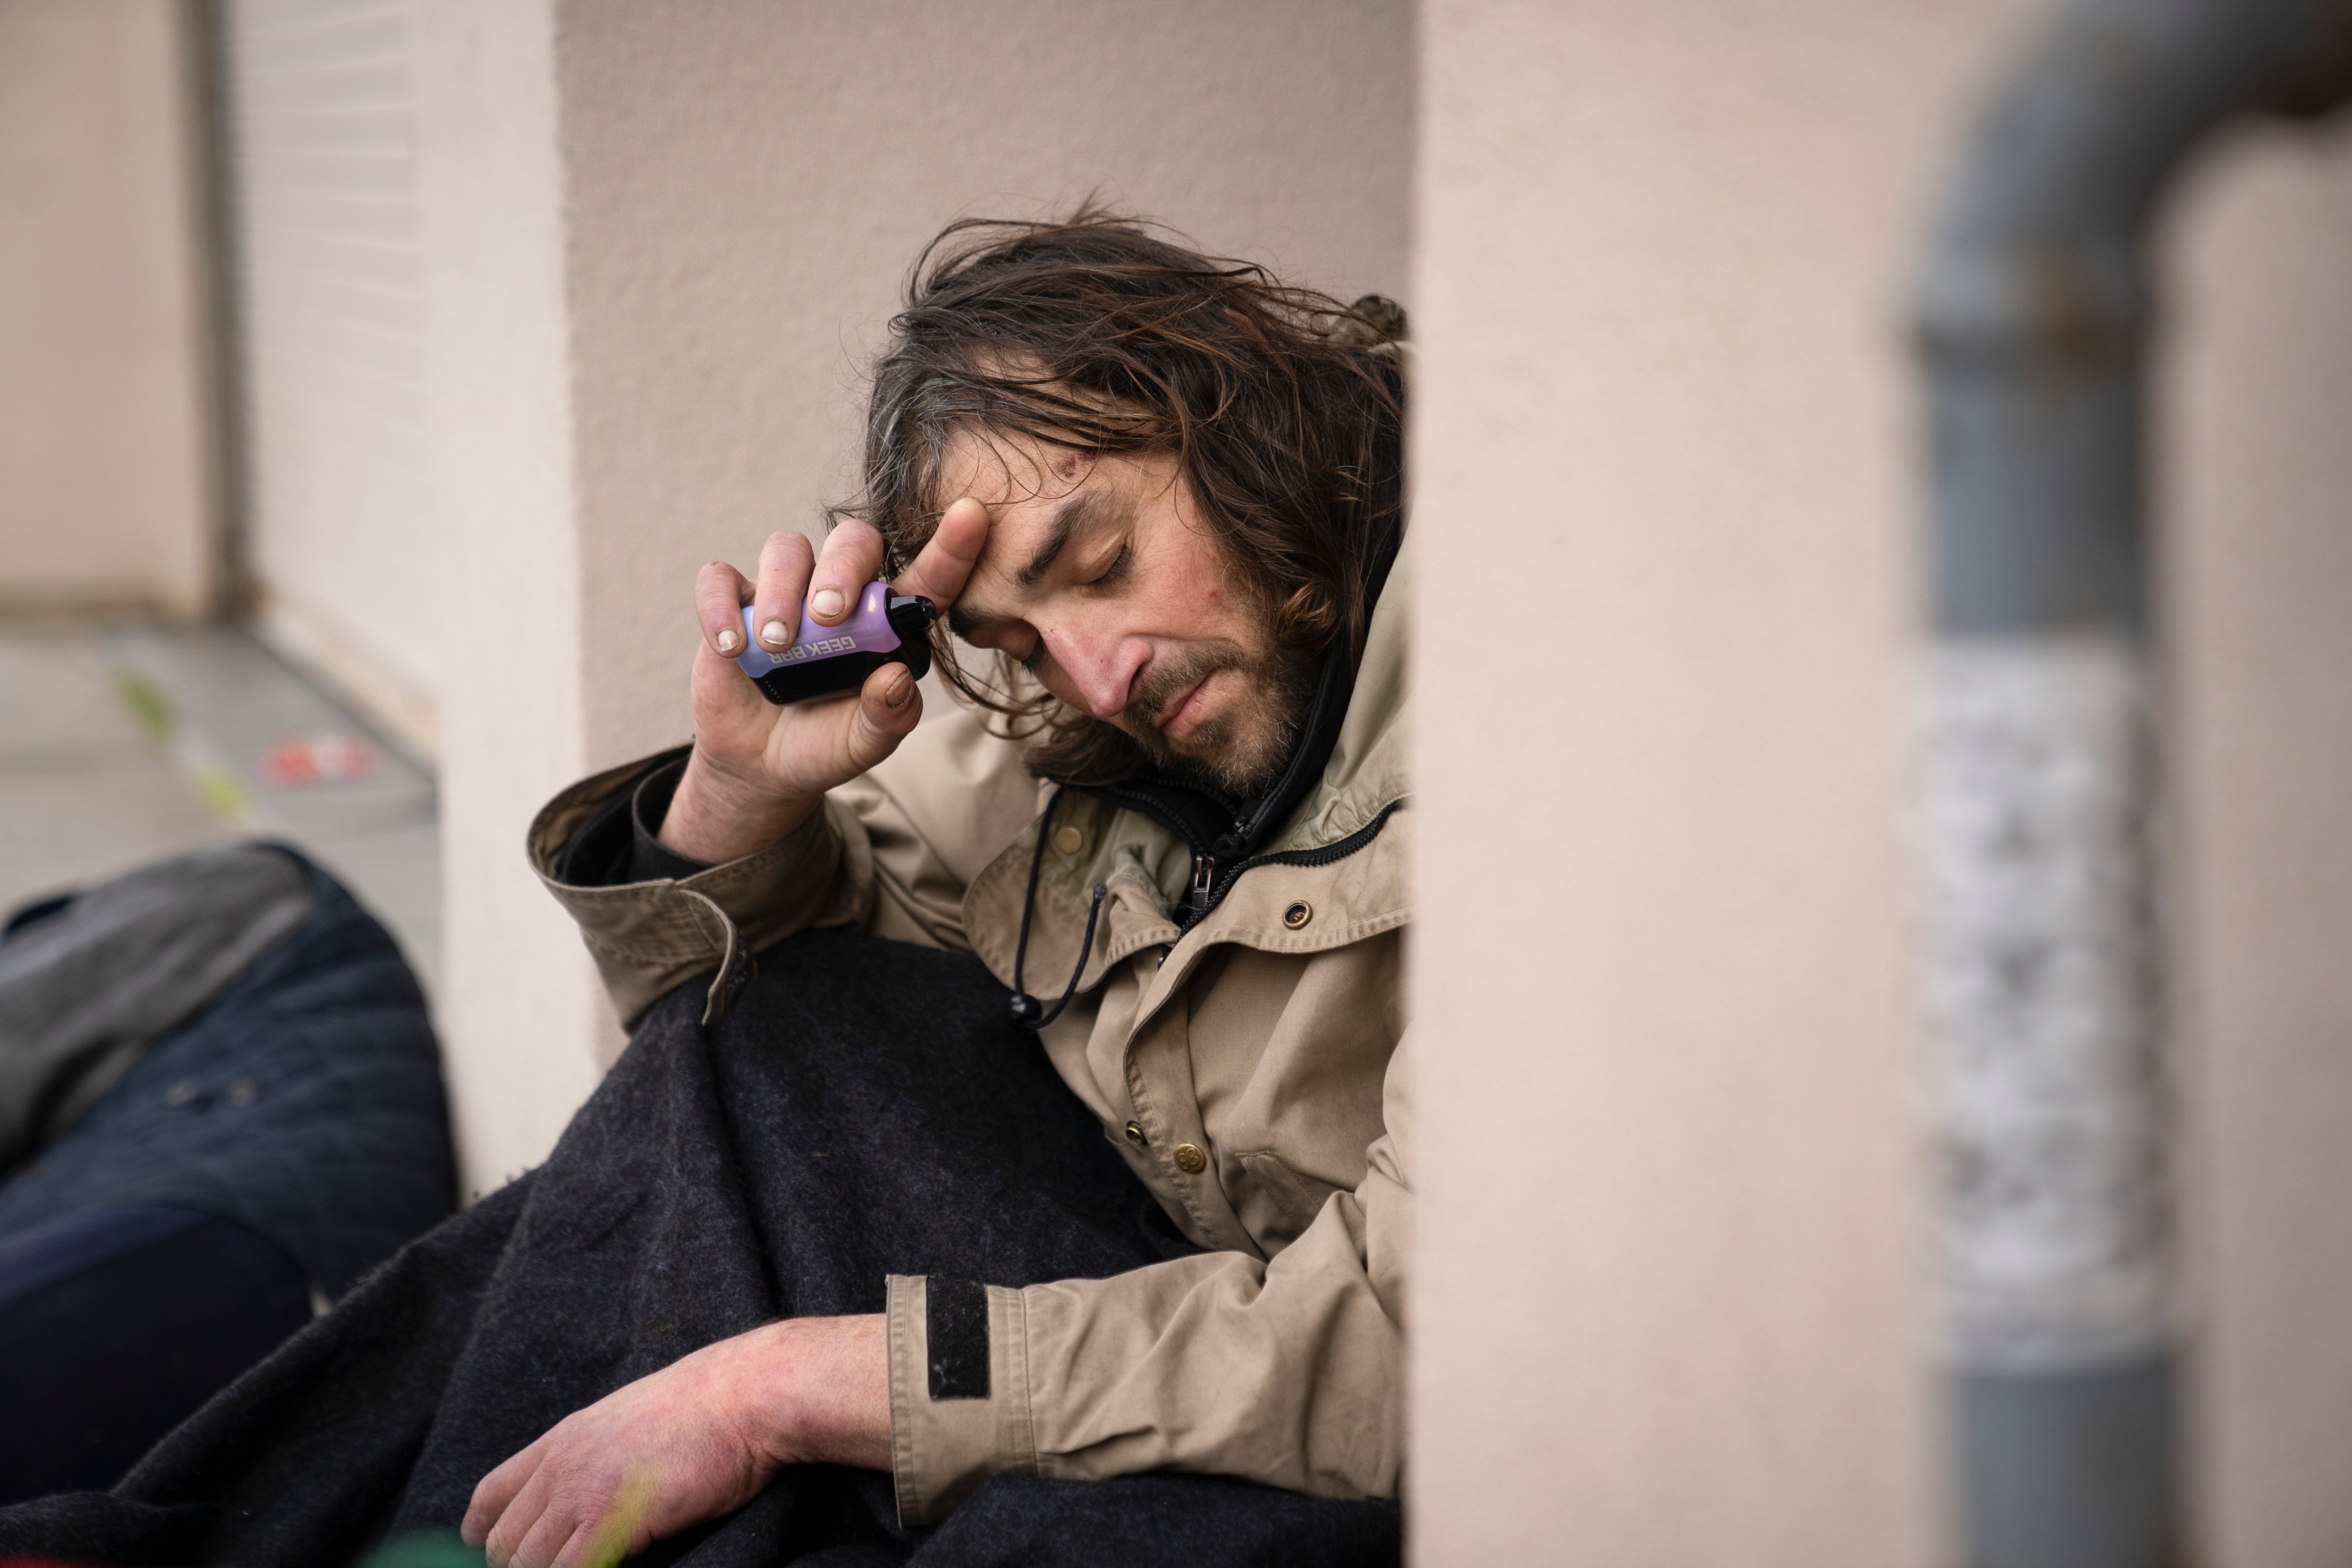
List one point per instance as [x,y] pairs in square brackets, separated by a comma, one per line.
[1885,919]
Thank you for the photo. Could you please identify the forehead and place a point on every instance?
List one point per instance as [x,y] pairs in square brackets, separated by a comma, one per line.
[1006,468]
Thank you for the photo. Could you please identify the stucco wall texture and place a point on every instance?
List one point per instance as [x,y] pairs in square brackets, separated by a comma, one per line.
[106,464]
[1667,413]
[2254,481]
[522,1018]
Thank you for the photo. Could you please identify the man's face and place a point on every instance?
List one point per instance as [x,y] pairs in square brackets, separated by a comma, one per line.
[1101,576]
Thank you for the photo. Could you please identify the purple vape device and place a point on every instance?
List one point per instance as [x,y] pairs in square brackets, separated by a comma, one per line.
[885,628]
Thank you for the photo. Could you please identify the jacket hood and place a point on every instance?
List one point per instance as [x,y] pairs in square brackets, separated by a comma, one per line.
[1365,774]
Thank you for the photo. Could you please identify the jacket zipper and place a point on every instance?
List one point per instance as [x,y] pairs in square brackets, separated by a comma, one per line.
[1209,883]
[1209,888]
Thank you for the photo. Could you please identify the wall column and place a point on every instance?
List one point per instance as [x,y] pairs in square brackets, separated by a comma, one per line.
[522,1012]
[2253,374]
[1671,1304]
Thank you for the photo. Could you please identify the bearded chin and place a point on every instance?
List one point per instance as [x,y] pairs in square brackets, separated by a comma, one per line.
[1242,753]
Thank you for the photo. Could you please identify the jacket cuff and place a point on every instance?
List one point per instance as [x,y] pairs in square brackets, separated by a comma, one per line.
[651,860]
[959,1391]
[648,937]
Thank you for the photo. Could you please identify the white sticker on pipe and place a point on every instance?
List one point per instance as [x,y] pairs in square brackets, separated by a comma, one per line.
[2037,779]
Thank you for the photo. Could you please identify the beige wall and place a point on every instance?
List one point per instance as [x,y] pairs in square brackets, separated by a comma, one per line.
[521,1012]
[669,370]
[1670,1302]
[341,538]
[2256,490]
[106,472]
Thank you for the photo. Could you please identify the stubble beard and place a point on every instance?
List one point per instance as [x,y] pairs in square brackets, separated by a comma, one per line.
[1243,750]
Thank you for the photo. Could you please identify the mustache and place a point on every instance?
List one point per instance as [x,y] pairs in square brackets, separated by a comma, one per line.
[1161,685]
[1237,754]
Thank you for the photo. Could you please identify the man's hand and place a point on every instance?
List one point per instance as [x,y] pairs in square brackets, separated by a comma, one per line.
[695,1440]
[758,770]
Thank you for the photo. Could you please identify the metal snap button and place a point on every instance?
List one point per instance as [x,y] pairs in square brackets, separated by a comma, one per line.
[1190,1160]
[1068,840]
[1298,914]
[1135,1134]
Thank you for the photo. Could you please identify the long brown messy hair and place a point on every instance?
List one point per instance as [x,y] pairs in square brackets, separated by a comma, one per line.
[1095,332]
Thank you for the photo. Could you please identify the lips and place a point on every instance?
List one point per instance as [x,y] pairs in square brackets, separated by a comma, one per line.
[1176,709]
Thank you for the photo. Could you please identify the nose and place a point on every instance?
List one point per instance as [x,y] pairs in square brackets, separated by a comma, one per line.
[1100,664]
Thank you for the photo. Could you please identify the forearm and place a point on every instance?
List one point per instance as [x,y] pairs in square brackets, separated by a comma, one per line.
[653,917]
[817,1390]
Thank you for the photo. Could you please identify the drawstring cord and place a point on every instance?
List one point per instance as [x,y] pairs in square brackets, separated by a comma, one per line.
[1024,1006]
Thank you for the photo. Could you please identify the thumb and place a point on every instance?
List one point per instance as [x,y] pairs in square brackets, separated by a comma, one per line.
[888,706]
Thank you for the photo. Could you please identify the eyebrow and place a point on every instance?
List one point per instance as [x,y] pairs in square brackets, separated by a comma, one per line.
[1077,512]
[1081,511]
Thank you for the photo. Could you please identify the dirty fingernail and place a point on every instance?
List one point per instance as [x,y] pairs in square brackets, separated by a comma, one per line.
[826,604]
[899,690]
[728,639]
[775,634]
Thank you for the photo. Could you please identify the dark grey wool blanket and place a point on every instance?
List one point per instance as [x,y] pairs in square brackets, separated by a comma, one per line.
[864,1109]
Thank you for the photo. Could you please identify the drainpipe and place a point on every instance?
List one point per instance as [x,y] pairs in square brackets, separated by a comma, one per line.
[2038,768]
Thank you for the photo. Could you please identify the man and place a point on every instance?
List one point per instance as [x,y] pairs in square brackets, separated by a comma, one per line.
[1159,493]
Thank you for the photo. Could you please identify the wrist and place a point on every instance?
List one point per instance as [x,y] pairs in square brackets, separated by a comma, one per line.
[821,1392]
[716,816]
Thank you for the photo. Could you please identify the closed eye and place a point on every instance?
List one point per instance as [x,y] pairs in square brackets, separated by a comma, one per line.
[1112,573]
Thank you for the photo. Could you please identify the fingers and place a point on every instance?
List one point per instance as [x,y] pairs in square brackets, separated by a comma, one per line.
[852,558]
[719,594]
[944,566]
[523,1519]
[784,565]
[548,1533]
[604,1537]
[497,1491]
[888,706]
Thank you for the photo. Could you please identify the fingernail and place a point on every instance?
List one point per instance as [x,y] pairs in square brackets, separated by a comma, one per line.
[826,604]
[728,639]
[899,690]
[775,634]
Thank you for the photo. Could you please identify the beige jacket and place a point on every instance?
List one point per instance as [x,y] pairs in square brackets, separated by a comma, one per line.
[1250,1070]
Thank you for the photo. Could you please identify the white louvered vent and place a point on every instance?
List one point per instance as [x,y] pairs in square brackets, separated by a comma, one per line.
[323,143]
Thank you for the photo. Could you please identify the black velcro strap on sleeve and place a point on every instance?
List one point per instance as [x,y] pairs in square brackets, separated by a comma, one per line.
[956,1327]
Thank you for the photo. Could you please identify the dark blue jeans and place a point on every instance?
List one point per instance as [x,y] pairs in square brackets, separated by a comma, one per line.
[115,1324]
[290,1136]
